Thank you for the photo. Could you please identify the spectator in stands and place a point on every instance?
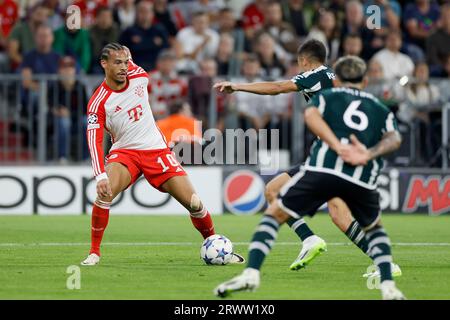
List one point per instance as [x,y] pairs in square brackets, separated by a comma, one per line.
[88,9]
[420,21]
[252,109]
[125,14]
[164,17]
[200,97]
[198,42]
[338,8]
[355,23]
[103,31]
[395,64]
[326,31]
[272,66]
[225,54]
[374,72]
[293,14]
[9,13]
[388,92]
[422,108]
[352,45]
[208,74]
[227,23]
[281,31]
[8,17]
[211,7]
[21,38]
[41,60]
[208,68]
[145,39]
[180,125]
[74,42]
[68,103]
[165,86]
[253,18]
[279,112]
[438,44]
[56,13]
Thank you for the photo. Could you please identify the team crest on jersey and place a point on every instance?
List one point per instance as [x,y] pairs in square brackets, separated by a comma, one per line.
[92,118]
[139,91]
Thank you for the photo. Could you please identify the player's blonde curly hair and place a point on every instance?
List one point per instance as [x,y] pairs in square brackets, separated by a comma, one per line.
[350,69]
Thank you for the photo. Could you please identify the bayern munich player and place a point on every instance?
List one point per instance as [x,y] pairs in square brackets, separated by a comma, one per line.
[120,105]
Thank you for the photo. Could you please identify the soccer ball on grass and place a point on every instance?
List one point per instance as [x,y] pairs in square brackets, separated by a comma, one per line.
[216,250]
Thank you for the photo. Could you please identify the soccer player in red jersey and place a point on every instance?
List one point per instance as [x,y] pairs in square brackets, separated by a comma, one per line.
[120,105]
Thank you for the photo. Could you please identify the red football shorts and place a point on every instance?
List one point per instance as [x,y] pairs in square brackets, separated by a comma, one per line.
[157,166]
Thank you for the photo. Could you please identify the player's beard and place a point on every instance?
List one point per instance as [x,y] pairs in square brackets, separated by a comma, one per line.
[120,81]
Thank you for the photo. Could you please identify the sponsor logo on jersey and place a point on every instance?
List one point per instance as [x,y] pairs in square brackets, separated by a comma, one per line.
[118,108]
[135,113]
[244,192]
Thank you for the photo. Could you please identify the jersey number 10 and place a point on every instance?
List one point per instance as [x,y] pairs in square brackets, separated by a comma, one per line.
[172,162]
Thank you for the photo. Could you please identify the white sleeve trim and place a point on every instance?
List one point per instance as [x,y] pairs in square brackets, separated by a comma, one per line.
[390,122]
[101,176]
[322,104]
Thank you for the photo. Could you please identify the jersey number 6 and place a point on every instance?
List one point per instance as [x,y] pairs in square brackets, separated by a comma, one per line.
[352,111]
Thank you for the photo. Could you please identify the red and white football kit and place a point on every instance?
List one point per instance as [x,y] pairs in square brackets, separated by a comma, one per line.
[137,141]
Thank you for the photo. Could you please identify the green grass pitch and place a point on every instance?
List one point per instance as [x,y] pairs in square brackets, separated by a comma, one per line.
[157,257]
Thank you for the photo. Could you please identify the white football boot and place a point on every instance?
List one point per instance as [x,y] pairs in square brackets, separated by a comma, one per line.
[390,292]
[248,280]
[91,260]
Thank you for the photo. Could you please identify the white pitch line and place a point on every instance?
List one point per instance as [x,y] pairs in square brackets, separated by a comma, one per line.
[79,244]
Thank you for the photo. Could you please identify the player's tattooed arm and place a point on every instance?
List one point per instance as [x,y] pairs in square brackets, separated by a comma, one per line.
[320,128]
[358,154]
[263,88]
[390,142]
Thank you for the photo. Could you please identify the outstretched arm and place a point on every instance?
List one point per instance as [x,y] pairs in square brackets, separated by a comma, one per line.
[264,88]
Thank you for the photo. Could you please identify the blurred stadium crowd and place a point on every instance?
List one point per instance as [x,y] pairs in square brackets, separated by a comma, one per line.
[187,45]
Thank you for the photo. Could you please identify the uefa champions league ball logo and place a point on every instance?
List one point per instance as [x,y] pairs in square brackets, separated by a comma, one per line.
[92,118]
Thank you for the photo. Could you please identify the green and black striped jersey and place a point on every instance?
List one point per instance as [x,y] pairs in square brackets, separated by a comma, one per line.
[347,111]
[311,82]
